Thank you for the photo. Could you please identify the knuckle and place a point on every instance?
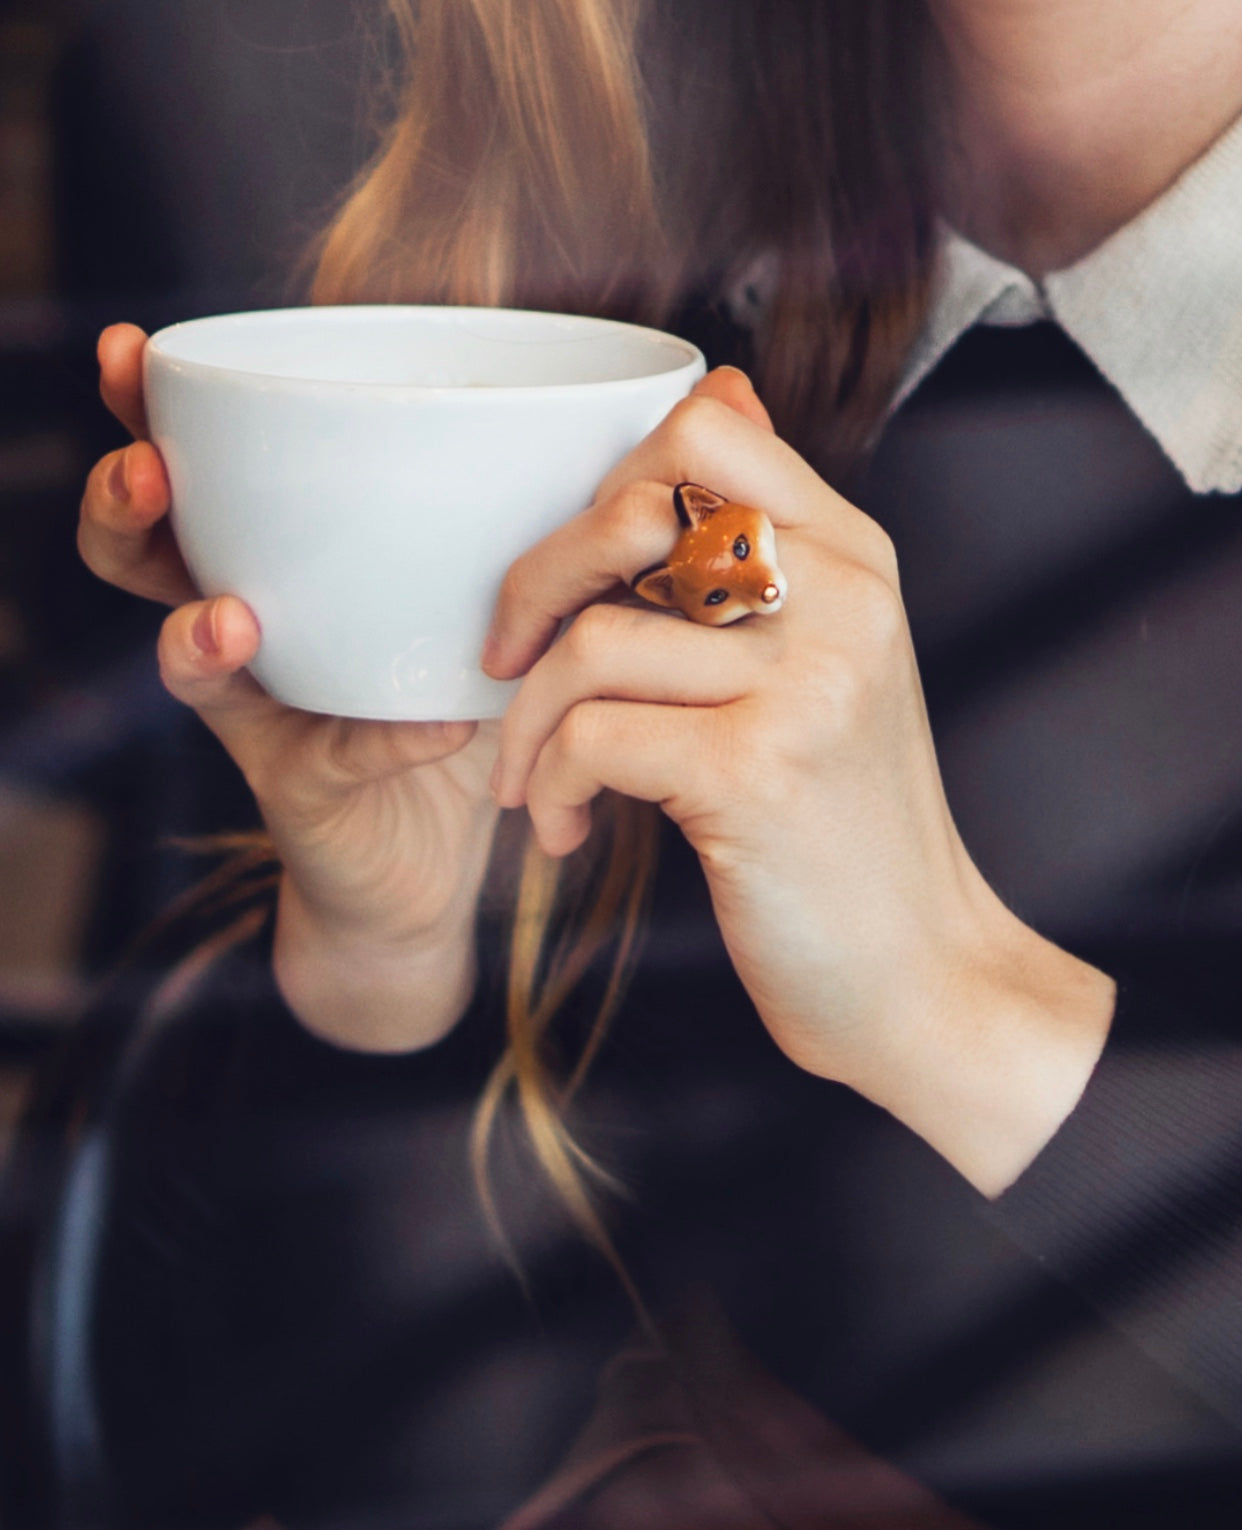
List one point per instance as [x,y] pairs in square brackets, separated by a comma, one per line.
[689,426]
[625,512]
[880,551]
[578,735]
[872,606]
[594,631]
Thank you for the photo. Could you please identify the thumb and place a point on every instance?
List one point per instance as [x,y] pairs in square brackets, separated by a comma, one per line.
[731,386]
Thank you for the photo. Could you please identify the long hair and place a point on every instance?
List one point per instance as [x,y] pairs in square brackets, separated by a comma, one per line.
[629,158]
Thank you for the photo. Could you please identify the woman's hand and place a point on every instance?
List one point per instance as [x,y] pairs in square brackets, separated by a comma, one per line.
[794,752]
[383,829]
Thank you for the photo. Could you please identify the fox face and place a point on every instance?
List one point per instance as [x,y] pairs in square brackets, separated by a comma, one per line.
[723,566]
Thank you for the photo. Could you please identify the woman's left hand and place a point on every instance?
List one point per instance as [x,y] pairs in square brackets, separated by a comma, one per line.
[794,752]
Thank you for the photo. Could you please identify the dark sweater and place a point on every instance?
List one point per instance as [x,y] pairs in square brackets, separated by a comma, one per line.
[301,1310]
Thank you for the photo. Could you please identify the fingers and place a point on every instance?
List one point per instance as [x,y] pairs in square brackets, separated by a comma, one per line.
[649,752]
[622,654]
[632,524]
[632,529]
[203,650]
[581,560]
[122,532]
[706,440]
[120,375]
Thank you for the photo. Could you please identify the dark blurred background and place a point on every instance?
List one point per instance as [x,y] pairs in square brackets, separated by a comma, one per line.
[159,159]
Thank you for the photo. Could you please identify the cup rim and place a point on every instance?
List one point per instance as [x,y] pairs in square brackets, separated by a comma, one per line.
[158,343]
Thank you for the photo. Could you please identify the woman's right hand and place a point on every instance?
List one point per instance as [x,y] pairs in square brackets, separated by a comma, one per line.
[383,829]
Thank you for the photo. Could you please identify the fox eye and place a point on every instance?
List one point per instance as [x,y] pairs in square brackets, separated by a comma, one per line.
[716,598]
[741,549]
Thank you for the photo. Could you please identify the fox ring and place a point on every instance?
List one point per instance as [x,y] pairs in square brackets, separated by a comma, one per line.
[723,565]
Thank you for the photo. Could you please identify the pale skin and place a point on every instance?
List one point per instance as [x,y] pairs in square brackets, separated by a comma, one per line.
[792,751]
[1072,115]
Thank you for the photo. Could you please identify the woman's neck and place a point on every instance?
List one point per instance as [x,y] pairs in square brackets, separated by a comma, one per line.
[1068,118]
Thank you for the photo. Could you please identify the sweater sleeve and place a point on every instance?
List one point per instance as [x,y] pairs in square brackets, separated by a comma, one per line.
[289,1248]
[1136,1203]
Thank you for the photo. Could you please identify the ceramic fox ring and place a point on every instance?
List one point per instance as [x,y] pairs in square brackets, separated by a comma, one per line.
[723,566]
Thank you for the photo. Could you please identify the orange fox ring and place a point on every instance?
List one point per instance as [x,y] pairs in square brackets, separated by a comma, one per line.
[723,565]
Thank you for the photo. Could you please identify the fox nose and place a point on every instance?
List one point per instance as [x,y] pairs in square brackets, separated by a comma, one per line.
[771,592]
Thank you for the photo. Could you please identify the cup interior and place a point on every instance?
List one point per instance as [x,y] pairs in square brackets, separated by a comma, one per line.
[395,347]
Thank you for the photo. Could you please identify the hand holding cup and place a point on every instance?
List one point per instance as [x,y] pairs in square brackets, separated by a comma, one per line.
[383,828]
[361,478]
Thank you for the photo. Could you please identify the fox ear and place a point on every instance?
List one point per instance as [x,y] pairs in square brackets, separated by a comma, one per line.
[656,584]
[694,503]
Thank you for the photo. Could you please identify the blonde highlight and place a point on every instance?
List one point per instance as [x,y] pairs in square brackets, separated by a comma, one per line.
[537,988]
[490,196]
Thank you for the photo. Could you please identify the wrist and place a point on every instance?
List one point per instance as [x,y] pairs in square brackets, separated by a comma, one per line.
[994,1052]
[371,992]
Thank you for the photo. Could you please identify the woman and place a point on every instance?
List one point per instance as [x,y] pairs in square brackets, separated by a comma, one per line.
[786,165]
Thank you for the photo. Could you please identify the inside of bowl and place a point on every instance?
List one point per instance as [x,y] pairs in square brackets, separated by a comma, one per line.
[427,347]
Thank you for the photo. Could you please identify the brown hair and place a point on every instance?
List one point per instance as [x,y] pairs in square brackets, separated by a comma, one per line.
[624,157]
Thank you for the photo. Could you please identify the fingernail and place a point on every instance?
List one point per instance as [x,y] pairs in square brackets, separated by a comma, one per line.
[206,636]
[491,651]
[118,479]
[737,371]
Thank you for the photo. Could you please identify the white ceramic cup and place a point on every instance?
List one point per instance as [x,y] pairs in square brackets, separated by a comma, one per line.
[363,477]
